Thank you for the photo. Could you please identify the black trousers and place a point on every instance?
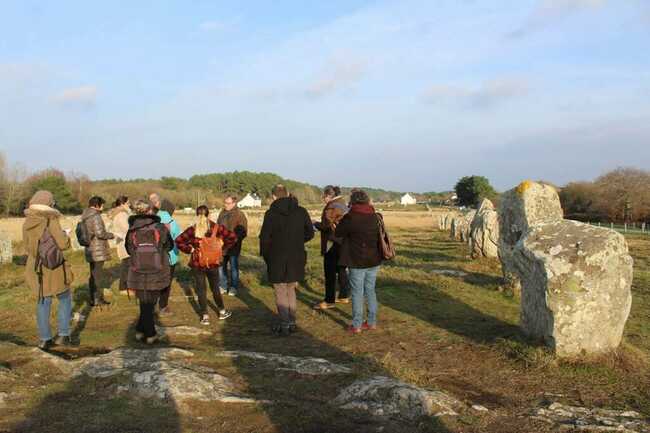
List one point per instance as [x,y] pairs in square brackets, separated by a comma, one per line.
[124,273]
[334,272]
[212,275]
[147,300]
[164,295]
[96,279]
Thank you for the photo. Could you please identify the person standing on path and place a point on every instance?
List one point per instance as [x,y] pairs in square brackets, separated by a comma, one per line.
[359,230]
[234,220]
[47,283]
[207,242]
[330,247]
[98,252]
[285,230]
[148,243]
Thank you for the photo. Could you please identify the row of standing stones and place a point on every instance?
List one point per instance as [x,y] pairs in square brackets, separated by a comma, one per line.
[574,280]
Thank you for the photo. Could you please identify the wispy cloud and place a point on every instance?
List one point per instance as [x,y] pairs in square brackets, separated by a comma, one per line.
[338,75]
[490,94]
[83,97]
[212,25]
[547,12]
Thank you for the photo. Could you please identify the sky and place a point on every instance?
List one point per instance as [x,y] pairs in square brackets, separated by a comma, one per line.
[406,95]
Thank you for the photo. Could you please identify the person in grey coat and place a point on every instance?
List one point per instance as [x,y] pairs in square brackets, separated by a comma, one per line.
[98,251]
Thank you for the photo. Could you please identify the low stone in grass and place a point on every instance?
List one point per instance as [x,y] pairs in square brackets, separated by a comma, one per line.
[6,249]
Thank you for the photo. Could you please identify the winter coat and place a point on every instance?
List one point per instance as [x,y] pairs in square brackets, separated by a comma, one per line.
[188,243]
[159,280]
[99,250]
[235,221]
[359,230]
[55,281]
[119,227]
[285,230]
[332,214]
[174,231]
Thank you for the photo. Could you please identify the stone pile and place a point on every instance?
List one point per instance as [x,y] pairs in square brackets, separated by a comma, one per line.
[575,279]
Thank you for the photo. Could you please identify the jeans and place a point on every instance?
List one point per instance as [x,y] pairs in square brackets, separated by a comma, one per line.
[231,271]
[334,272]
[362,285]
[64,313]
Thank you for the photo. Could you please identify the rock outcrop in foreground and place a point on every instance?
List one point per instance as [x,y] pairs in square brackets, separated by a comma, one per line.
[575,279]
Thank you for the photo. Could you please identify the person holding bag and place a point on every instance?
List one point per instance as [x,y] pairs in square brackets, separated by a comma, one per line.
[206,242]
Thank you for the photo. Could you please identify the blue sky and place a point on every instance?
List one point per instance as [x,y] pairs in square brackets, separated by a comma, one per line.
[407,95]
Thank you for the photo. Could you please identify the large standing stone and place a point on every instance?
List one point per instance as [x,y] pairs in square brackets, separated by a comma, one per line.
[466,225]
[6,250]
[575,278]
[460,226]
[484,232]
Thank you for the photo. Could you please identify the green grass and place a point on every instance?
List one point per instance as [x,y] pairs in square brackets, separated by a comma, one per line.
[458,334]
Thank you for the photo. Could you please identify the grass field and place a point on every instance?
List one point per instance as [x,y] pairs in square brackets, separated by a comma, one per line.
[456,334]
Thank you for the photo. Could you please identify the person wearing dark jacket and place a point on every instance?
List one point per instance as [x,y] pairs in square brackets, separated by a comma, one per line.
[359,229]
[330,246]
[285,230]
[148,243]
[98,252]
[232,218]
[189,242]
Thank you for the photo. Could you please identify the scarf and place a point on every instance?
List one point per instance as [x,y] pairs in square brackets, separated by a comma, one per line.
[363,209]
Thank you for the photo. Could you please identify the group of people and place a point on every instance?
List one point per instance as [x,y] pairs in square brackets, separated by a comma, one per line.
[149,242]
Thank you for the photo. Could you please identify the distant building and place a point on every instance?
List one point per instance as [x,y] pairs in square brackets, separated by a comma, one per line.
[251,200]
[407,199]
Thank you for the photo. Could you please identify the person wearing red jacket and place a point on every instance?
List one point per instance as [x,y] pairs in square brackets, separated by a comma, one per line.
[189,242]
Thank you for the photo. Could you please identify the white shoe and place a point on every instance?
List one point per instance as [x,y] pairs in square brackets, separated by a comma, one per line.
[232,292]
[205,320]
[222,290]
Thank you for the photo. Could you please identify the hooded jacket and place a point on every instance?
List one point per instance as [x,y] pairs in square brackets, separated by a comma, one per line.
[55,281]
[149,282]
[285,230]
[99,250]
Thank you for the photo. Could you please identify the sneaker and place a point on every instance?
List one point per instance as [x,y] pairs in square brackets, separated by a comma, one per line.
[232,292]
[152,340]
[281,330]
[353,330]
[367,327]
[205,320]
[323,306]
[293,328]
[224,314]
[139,336]
[63,340]
[223,291]
[343,301]
[45,344]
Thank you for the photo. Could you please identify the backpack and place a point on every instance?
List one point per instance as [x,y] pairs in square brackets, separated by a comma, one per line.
[49,255]
[210,251]
[82,233]
[147,256]
[386,247]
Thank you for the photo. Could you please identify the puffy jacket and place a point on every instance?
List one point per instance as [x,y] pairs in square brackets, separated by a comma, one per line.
[174,231]
[99,250]
[57,280]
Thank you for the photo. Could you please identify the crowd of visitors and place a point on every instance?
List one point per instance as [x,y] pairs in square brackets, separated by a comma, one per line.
[148,244]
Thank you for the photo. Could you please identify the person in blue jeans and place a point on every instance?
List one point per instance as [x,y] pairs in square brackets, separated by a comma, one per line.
[47,283]
[359,230]
[234,220]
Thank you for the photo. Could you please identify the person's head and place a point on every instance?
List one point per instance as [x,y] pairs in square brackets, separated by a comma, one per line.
[279,191]
[359,196]
[330,192]
[230,202]
[42,198]
[96,202]
[202,221]
[202,211]
[167,206]
[154,198]
[143,207]
[121,201]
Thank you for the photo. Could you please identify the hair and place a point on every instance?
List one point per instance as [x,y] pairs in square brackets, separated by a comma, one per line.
[280,191]
[167,206]
[202,221]
[96,201]
[142,207]
[331,191]
[202,211]
[120,201]
[231,197]
[359,196]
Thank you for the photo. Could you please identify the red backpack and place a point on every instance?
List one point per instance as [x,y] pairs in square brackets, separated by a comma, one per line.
[210,251]
[147,257]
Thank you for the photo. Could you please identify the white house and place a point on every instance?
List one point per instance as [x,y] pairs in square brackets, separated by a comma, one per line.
[251,200]
[408,199]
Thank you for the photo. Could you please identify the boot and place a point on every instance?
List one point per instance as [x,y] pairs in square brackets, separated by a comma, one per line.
[100,301]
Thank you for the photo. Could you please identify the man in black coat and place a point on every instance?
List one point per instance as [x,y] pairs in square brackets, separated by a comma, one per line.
[286,228]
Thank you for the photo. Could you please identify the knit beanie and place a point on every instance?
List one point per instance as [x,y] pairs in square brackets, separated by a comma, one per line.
[43,198]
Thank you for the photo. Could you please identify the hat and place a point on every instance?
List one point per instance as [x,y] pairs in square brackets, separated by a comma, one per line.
[43,198]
